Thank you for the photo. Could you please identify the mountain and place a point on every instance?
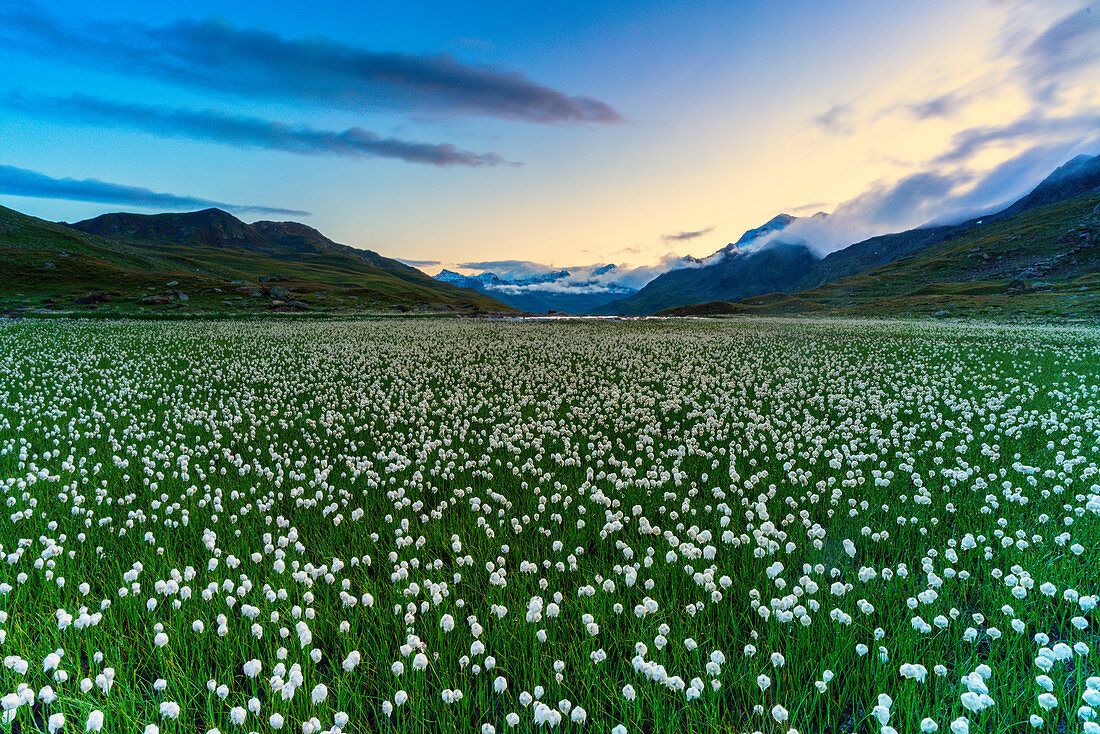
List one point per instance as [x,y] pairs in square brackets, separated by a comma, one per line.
[1077,176]
[206,260]
[1041,262]
[734,272]
[731,275]
[558,290]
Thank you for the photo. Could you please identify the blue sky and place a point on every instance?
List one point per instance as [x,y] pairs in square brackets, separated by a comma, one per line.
[558,133]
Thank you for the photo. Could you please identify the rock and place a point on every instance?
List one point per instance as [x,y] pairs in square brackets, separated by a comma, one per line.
[92,298]
[280,293]
[172,283]
[154,300]
[49,265]
[236,282]
[183,297]
[273,278]
[941,314]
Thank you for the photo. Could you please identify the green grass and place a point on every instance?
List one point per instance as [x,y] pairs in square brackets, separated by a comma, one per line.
[581,448]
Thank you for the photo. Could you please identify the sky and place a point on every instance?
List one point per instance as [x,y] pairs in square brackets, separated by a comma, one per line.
[534,135]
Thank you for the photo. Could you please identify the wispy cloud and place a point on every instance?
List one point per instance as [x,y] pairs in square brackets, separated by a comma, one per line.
[932,196]
[418,263]
[244,132]
[1061,54]
[513,268]
[940,105]
[688,235]
[213,55]
[837,120]
[1034,127]
[22,182]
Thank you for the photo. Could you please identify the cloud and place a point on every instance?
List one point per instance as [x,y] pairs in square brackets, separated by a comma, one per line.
[941,105]
[522,268]
[933,196]
[684,236]
[1010,180]
[214,56]
[966,143]
[837,120]
[418,263]
[244,132]
[813,207]
[21,182]
[1061,53]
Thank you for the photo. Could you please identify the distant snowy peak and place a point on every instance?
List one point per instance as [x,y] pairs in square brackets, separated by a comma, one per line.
[776,223]
[486,279]
[562,280]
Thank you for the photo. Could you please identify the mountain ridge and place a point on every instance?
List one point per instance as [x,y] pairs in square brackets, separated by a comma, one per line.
[214,259]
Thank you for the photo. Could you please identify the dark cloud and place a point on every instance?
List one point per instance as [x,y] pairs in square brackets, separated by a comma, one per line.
[213,55]
[684,236]
[1061,54]
[837,120]
[245,132]
[21,182]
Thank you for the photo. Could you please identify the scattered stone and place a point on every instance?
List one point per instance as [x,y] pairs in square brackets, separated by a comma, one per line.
[941,314]
[154,300]
[49,265]
[273,278]
[280,293]
[172,283]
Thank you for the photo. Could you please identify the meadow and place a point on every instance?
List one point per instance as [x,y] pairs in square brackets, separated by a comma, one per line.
[400,525]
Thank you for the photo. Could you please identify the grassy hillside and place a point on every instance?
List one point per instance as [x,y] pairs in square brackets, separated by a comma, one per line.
[280,266]
[1044,262]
